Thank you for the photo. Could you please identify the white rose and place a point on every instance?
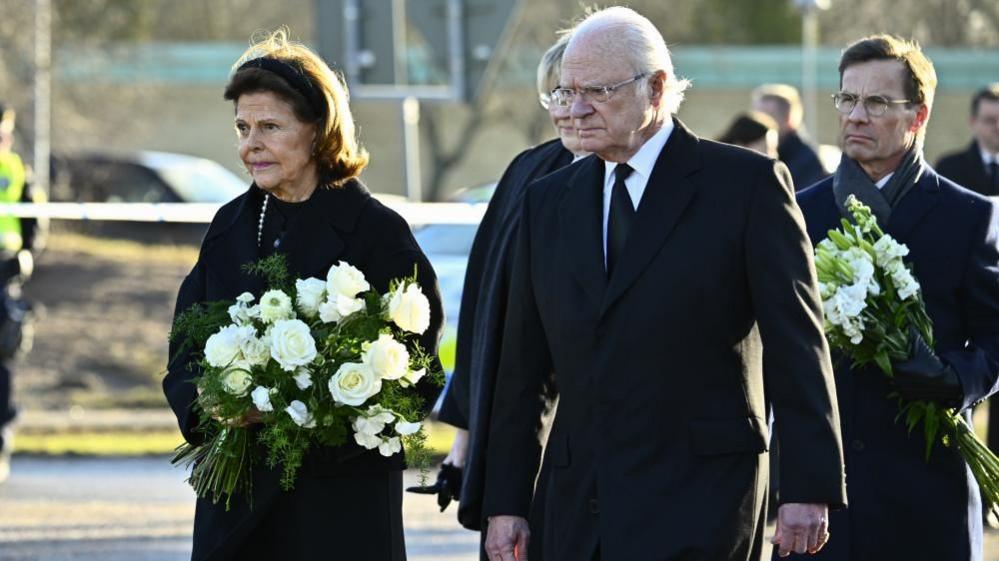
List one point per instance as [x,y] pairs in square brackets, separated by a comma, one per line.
[310,293]
[353,383]
[405,428]
[409,308]
[237,382]
[262,398]
[328,312]
[390,446]
[346,306]
[412,377]
[387,357]
[223,347]
[343,279]
[275,305]
[292,344]
[300,414]
[303,379]
[369,441]
[256,352]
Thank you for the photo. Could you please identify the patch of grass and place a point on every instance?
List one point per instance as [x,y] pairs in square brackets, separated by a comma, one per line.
[122,250]
[119,443]
[136,443]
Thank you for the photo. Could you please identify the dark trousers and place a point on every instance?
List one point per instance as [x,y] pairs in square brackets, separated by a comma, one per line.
[7,411]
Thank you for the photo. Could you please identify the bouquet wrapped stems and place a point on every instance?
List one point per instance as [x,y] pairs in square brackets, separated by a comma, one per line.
[871,303]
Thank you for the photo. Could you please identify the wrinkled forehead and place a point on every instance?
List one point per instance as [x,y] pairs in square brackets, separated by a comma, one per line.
[875,77]
[595,60]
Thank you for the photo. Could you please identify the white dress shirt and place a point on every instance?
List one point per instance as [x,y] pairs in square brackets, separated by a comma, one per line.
[884,181]
[642,163]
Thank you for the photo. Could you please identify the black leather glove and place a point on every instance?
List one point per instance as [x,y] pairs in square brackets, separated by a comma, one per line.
[447,487]
[924,377]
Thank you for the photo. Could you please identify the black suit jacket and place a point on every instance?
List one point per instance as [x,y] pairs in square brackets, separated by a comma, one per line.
[967,170]
[468,399]
[658,449]
[336,224]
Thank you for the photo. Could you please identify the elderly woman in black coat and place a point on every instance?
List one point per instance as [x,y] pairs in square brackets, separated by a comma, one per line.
[297,140]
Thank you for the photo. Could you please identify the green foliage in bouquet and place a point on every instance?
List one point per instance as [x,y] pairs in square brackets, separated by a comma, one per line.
[871,303]
[312,363]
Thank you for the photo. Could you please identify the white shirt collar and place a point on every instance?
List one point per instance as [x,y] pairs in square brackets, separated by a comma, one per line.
[884,180]
[642,161]
[988,157]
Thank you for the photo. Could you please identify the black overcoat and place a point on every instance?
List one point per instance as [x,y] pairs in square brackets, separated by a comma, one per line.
[901,506]
[658,448]
[468,400]
[341,224]
[967,170]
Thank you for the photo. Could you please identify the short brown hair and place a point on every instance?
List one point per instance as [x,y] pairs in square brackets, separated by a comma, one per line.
[988,93]
[338,154]
[920,80]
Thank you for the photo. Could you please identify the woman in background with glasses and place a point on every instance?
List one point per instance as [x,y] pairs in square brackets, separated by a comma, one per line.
[468,397]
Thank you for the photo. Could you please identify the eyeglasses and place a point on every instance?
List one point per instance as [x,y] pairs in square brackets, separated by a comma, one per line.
[875,105]
[563,97]
[545,99]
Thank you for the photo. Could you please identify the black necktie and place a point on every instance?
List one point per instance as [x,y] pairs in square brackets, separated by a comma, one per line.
[621,217]
[994,178]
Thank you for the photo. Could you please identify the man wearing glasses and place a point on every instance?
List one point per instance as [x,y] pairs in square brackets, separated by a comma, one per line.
[903,506]
[649,279]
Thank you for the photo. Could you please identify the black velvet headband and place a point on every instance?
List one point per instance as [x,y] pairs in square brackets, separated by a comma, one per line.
[296,78]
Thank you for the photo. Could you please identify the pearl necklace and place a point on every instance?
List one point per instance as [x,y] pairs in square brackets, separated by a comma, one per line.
[260,223]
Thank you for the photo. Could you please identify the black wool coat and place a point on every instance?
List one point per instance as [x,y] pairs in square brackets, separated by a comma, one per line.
[468,400]
[340,224]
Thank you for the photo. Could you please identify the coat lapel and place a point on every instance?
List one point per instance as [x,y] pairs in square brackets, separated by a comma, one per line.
[666,196]
[237,247]
[581,226]
[914,206]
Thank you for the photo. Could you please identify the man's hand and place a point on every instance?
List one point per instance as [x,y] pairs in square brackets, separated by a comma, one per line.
[801,528]
[924,377]
[507,538]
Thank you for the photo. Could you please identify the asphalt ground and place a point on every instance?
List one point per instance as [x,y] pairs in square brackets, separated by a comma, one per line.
[140,509]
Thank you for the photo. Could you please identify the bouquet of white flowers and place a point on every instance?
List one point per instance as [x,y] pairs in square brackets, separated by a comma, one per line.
[871,301]
[316,362]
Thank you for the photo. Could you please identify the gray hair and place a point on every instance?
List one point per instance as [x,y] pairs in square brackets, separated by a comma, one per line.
[644,48]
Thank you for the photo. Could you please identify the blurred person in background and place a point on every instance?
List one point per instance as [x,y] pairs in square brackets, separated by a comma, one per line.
[468,398]
[296,137]
[903,505]
[977,168]
[783,103]
[15,266]
[754,130]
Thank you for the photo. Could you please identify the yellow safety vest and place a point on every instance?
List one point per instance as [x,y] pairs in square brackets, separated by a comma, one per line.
[11,188]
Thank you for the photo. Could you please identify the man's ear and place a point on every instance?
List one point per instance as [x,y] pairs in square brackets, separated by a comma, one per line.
[922,114]
[657,87]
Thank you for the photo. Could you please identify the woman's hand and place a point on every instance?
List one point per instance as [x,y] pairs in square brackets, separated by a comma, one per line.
[459,449]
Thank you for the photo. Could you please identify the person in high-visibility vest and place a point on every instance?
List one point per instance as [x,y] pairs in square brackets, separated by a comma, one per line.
[12,182]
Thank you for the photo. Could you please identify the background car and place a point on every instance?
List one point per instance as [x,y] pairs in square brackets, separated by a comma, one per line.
[143,177]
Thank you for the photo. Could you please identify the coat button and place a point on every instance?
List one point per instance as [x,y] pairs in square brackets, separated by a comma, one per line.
[858,445]
[594,507]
